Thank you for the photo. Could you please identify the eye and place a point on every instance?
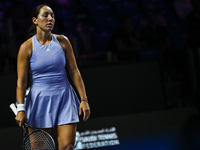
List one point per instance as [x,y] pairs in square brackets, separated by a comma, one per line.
[45,14]
[52,15]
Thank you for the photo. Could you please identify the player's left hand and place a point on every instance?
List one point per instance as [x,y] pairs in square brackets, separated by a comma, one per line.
[85,108]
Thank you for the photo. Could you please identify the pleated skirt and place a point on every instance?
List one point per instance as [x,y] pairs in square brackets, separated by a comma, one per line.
[52,105]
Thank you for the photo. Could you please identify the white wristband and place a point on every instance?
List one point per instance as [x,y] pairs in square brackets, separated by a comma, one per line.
[20,107]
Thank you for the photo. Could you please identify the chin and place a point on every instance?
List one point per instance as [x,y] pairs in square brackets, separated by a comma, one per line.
[49,30]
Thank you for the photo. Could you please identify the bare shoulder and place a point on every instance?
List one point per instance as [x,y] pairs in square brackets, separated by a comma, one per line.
[61,38]
[26,47]
[64,41]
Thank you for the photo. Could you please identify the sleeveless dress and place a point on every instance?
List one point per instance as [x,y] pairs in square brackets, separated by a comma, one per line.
[51,101]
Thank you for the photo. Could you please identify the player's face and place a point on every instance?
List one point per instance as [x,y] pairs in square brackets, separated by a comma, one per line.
[45,20]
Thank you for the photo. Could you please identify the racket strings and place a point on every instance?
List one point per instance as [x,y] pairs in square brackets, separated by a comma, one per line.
[39,140]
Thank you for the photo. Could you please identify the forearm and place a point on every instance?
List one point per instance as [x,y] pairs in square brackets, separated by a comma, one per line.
[21,115]
[20,91]
[79,84]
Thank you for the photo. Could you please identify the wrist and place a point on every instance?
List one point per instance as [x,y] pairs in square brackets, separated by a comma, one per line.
[84,100]
[20,107]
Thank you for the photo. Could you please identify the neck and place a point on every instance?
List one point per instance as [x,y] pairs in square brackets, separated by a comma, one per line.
[43,38]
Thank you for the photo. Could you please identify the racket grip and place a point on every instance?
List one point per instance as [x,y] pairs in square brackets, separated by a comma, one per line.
[14,109]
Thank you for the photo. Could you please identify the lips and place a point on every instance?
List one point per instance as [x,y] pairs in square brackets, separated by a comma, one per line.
[49,24]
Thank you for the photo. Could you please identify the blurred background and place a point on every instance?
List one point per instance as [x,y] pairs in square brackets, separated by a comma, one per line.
[139,60]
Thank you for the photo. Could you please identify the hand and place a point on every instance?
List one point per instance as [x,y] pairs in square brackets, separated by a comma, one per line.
[85,108]
[21,118]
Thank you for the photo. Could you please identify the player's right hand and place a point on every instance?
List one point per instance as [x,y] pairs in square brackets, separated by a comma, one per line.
[21,118]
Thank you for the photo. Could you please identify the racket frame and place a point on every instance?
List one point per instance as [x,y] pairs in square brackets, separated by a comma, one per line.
[26,126]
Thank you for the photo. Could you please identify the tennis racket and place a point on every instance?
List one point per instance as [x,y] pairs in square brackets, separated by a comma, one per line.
[37,139]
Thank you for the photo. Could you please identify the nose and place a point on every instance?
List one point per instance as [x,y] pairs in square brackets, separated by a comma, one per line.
[50,17]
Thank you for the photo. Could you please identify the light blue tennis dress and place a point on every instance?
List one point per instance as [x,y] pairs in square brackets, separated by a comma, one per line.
[52,101]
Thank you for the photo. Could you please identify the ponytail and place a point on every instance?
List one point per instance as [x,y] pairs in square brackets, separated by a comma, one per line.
[31,31]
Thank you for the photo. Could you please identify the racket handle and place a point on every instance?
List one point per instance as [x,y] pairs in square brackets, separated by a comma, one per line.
[14,109]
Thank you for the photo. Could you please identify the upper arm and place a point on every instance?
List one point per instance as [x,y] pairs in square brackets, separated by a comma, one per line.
[23,58]
[69,54]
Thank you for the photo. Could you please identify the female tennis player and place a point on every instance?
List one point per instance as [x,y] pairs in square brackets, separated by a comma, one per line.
[52,102]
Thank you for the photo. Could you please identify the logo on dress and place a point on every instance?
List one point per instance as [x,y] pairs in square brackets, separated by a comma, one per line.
[47,50]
